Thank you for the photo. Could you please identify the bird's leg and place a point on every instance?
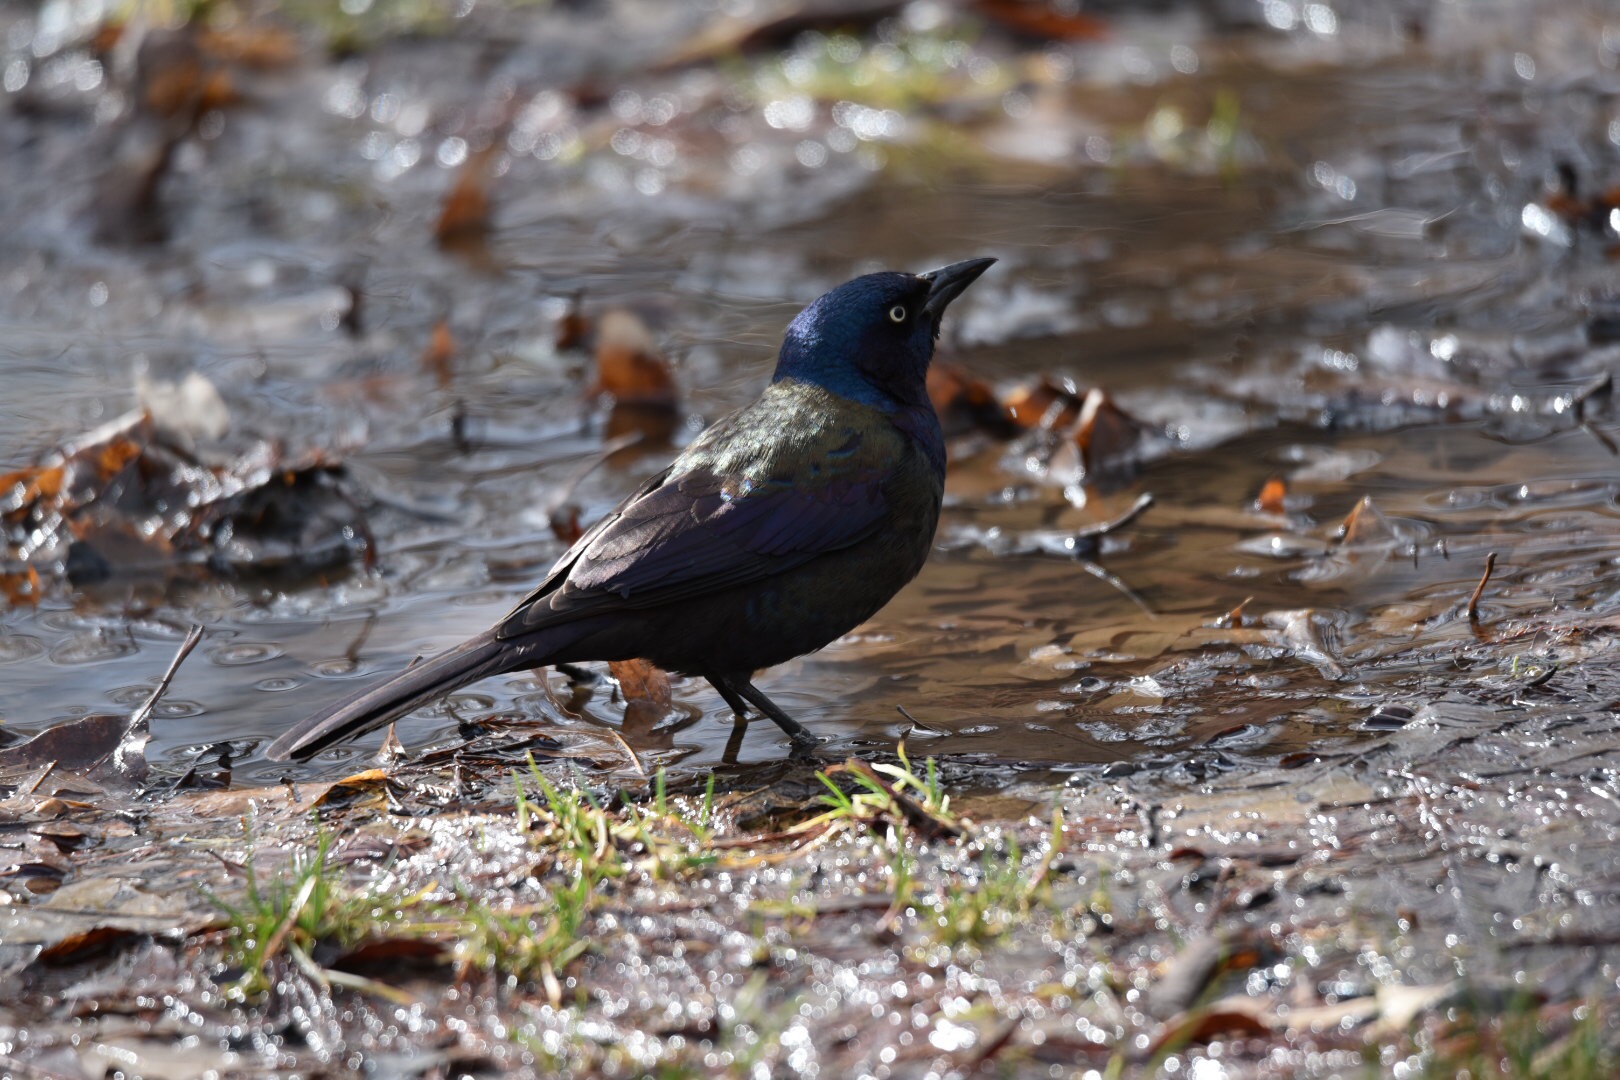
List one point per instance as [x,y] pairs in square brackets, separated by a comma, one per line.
[736,689]
[802,739]
[737,704]
[578,674]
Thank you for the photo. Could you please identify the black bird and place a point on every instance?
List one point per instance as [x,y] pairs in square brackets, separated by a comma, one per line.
[781,527]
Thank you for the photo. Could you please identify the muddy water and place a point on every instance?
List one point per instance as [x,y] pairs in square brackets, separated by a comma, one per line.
[1358,291]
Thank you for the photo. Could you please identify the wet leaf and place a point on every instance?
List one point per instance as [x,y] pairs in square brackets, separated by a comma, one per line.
[464,219]
[1207,1025]
[639,680]
[1044,19]
[1109,438]
[1335,1016]
[1047,403]
[966,403]
[773,27]
[363,787]
[88,944]
[1400,1004]
[574,328]
[257,44]
[388,956]
[440,354]
[135,496]
[634,375]
[175,78]
[646,690]
[1184,979]
[1366,526]
[1302,632]
[1273,497]
[101,748]
[629,366]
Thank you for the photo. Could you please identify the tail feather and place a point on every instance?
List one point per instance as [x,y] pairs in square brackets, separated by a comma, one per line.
[377,705]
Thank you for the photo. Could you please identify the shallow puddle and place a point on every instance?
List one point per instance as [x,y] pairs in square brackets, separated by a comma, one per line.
[1350,271]
[1268,296]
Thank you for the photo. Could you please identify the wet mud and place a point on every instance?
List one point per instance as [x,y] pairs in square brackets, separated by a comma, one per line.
[326,331]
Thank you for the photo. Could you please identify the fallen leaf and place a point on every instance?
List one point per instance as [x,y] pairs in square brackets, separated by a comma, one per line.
[966,403]
[631,371]
[389,955]
[574,329]
[99,747]
[1366,526]
[1273,496]
[135,496]
[370,785]
[742,34]
[1043,19]
[640,680]
[629,367]
[1109,438]
[1399,1005]
[440,354]
[1185,976]
[96,941]
[465,216]
[1047,403]
[1206,1025]
[646,690]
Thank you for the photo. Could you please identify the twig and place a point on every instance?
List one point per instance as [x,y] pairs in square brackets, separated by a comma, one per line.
[1600,387]
[635,761]
[564,490]
[1479,590]
[141,714]
[1096,570]
[1603,440]
[927,823]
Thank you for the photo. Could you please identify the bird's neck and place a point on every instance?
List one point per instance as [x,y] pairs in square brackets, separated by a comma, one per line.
[914,418]
[847,383]
[810,363]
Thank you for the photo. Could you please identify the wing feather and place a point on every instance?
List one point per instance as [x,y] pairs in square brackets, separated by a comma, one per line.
[689,533]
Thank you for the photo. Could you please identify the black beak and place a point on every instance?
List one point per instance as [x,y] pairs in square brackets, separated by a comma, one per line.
[948,282]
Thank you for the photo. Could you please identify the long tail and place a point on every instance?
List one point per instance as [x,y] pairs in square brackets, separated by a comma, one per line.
[371,708]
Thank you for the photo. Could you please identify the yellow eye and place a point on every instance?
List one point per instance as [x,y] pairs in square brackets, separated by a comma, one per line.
[897,313]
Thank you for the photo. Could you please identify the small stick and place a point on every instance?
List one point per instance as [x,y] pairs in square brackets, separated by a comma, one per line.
[566,489]
[629,753]
[1097,571]
[141,714]
[1479,590]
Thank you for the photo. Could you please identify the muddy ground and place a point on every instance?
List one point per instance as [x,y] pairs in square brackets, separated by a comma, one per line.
[325,329]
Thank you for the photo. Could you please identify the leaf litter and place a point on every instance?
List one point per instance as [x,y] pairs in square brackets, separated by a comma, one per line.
[1312,798]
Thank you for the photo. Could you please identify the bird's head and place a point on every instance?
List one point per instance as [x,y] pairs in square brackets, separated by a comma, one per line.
[871,339]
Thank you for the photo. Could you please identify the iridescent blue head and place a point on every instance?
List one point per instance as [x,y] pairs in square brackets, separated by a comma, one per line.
[871,339]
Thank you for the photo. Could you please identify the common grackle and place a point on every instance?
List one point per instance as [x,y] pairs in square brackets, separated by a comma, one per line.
[782,526]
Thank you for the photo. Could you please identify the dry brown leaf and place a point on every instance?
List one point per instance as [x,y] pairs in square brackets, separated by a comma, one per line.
[1108,436]
[629,366]
[362,786]
[574,328]
[640,680]
[1273,496]
[966,403]
[96,941]
[465,216]
[1206,1025]
[1047,403]
[1043,19]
